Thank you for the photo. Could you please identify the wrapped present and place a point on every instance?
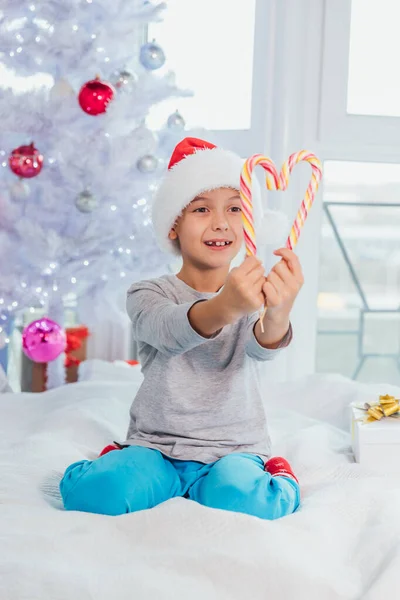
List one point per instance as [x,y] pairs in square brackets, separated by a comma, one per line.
[75,353]
[375,432]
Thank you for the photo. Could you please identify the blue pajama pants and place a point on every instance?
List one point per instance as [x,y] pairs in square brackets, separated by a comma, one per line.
[137,478]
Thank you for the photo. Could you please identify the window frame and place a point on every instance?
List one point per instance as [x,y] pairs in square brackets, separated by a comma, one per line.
[336,125]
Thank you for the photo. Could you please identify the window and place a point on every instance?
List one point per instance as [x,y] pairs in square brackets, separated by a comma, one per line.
[211,51]
[360,94]
[373,82]
[358,333]
[359,279]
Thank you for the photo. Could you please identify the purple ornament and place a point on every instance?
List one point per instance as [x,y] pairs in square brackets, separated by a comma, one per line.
[43,340]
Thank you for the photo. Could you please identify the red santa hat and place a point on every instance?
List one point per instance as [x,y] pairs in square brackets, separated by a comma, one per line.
[197,166]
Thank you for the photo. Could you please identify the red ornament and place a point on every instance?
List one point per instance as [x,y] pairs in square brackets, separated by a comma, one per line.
[26,161]
[95,95]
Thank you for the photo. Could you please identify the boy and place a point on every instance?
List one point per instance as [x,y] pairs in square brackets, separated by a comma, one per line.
[198,427]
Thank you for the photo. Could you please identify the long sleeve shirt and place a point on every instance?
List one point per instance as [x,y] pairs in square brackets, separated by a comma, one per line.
[201,397]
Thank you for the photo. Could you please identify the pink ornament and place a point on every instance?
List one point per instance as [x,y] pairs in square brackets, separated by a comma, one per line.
[43,340]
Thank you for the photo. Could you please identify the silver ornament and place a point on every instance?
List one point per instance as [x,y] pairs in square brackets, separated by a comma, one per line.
[152,56]
[147,164]
[176,122]
[86,202]
[124,80]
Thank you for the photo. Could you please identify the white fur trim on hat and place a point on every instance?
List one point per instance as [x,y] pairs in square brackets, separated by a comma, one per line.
[204,170]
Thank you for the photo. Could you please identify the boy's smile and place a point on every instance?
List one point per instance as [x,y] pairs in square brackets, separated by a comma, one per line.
[218,244]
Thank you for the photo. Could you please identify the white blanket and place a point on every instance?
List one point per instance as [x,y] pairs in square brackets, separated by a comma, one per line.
[342,544]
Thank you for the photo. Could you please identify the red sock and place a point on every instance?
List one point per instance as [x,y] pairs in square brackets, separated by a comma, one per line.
[109,448]
[279,466]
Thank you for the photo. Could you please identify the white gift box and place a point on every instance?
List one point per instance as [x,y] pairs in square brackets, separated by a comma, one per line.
[376,444]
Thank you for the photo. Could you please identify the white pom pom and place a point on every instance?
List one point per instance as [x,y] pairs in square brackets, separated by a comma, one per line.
[273,229]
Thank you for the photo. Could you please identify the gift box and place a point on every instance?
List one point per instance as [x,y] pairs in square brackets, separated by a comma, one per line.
[376,444]
[76,352]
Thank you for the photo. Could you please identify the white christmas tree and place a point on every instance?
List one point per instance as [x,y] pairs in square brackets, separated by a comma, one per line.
[79,163]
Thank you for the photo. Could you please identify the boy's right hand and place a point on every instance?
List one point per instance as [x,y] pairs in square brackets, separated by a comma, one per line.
[242,293]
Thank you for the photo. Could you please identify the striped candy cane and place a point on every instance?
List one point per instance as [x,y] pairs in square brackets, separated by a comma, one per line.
[277,181]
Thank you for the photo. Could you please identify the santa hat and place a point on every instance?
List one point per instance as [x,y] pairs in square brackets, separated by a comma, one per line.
[197,166]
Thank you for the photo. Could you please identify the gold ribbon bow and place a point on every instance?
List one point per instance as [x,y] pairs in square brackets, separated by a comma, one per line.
[388,406]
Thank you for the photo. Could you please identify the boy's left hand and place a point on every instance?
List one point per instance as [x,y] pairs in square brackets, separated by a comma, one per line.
[283,284]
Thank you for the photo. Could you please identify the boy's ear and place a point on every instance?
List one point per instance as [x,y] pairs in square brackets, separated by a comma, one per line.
[172,232]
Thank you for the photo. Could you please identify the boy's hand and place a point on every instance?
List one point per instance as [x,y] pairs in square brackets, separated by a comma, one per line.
[282,285]
[242,293]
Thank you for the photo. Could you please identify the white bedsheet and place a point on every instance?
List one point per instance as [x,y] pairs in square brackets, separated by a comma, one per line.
[342,544]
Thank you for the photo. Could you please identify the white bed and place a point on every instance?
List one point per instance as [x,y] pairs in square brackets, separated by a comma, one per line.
[342,544]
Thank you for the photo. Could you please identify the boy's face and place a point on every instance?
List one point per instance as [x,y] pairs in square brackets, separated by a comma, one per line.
[210,219]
